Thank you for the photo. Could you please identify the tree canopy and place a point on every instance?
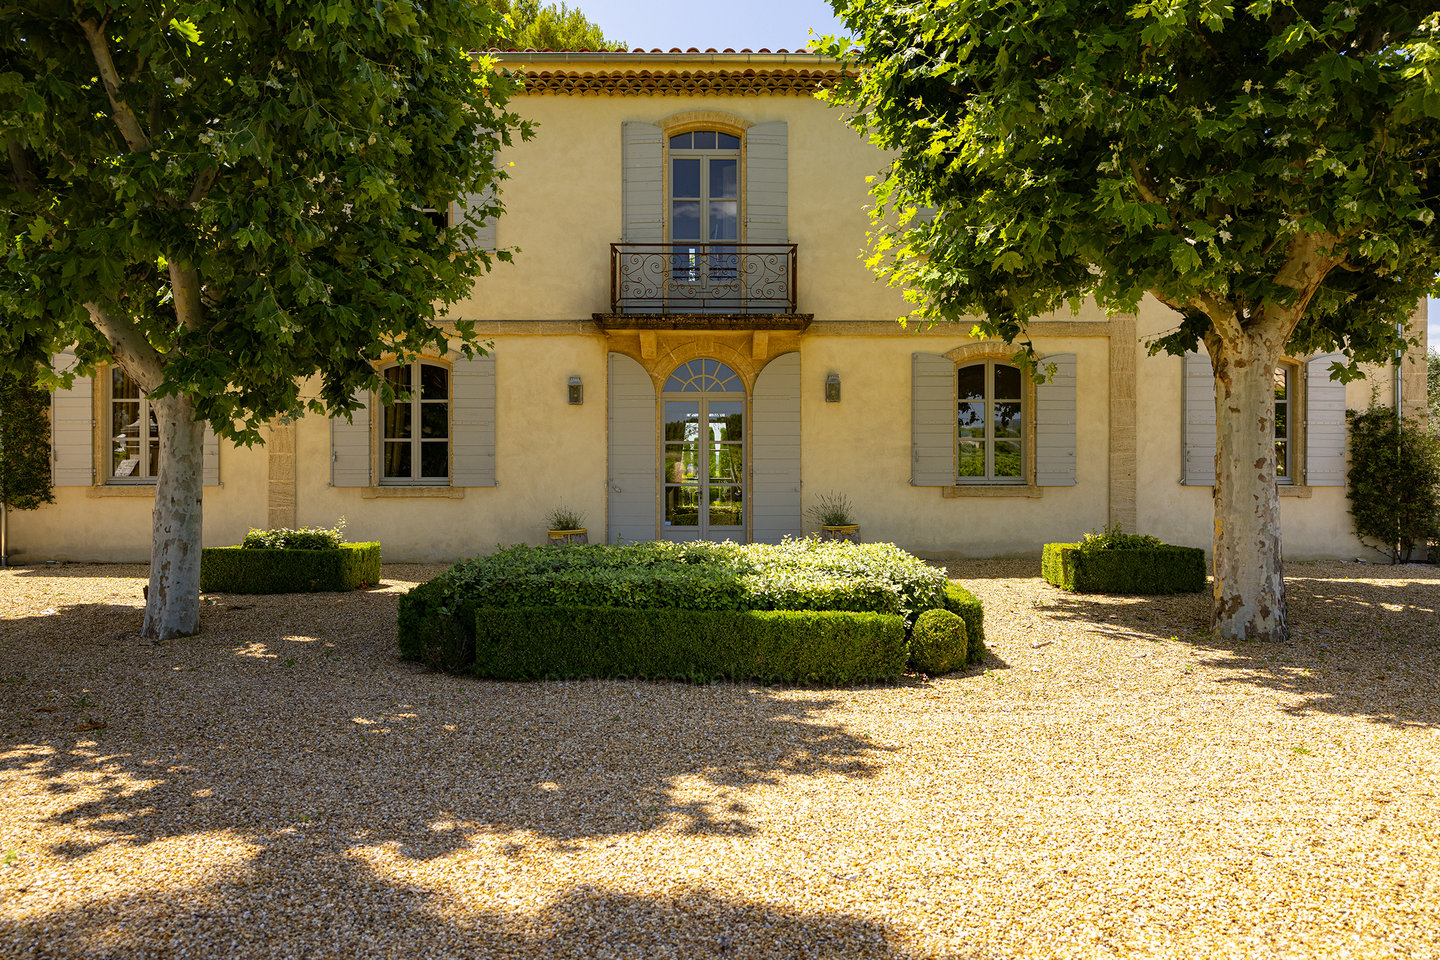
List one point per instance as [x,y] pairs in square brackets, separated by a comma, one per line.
[551,26]
[1269,170]
[231,197]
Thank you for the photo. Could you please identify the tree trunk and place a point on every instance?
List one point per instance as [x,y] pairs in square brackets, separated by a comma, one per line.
[1249,593]
[173,606]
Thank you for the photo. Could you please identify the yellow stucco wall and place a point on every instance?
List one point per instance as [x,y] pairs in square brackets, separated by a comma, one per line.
[114,524]
[563,207]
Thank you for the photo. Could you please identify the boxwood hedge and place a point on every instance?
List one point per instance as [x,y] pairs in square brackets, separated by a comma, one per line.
[1134,570]
[263,570]
[437,619]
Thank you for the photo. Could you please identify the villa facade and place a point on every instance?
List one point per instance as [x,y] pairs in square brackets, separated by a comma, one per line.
[689,345]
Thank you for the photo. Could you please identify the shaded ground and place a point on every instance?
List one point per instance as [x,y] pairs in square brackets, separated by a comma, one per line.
[1112,783]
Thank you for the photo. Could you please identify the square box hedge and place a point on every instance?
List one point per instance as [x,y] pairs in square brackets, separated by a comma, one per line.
[1159,569]
[349,566]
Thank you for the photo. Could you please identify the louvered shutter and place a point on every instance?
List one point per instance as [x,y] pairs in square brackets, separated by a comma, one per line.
[485,236]
[642,201]
[775,451]
[1198,431]
[932,421]
[72,429]
[1324,424]
[350,446]
[767,182]
[1055,424]
[472,422]
[631,454]
[210,461]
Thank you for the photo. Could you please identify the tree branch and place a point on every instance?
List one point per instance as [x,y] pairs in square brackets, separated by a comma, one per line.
[185,287]
[1148,189]
[22,168]
[203,183]
[132,351]
[124,117]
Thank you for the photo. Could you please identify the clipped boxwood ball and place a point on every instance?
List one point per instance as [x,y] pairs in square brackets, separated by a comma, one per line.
[937,642]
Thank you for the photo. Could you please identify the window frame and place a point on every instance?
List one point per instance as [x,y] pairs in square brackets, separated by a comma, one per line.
[1025,440]
[416,400]
[139,478]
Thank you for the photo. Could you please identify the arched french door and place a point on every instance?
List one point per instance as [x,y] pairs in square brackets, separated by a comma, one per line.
[703,467]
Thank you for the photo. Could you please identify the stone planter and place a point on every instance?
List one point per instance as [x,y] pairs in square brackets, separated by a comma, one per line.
[560,538]
[845,531]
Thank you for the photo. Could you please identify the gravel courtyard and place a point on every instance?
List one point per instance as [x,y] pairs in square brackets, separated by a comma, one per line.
[1110,783]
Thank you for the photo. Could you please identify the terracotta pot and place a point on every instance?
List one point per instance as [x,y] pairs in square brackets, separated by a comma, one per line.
[560,538]
[847,531]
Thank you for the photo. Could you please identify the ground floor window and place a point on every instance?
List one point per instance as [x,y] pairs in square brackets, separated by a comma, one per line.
[416,425]
[134,432]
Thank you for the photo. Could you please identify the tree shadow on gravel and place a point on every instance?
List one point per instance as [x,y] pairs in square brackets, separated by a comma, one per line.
[304,903]
[320,722]
[1362,649]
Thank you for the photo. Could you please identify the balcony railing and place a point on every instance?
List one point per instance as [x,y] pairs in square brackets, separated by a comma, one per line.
[702,278]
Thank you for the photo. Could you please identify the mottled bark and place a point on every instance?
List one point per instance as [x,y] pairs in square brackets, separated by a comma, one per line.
[1249,591]
[172,608]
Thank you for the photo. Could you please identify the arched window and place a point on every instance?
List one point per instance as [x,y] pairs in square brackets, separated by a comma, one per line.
[990,422]
[704,402]
[415,437]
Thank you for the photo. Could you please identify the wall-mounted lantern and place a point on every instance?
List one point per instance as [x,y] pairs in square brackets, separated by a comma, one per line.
[575,390]
[832,388]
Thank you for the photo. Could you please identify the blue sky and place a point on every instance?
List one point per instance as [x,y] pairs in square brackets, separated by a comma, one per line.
[742,23]
[773,24]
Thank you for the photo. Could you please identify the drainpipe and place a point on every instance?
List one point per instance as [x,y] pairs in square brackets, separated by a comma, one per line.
[4,533]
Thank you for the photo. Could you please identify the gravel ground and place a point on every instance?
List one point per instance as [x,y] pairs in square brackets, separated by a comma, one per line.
[1112,782]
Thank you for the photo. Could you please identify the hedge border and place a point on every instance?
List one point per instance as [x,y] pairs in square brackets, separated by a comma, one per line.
[966,606]
[268,570]
[786,646]
[1138,571]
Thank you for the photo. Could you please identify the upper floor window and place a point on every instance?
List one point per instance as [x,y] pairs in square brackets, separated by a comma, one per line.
[415,437]
[134,432]
[704,187]
[990,422]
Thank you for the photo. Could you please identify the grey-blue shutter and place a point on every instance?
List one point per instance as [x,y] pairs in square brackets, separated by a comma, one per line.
[485,237]
[631,511]
[1055,424]
[767,183]
[72,429]
[642,198]
[775,451]
[210,459]
[1197,466]
[1324,424]
[350,446]
[472,422]
[932,421]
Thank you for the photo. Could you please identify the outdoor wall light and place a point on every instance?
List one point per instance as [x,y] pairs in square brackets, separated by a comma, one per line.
[576,390]
[832,388]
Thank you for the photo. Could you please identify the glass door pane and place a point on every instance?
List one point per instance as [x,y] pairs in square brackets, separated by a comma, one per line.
[684,477]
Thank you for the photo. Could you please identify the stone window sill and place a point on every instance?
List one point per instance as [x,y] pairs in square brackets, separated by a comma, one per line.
[122,490]
[400,491]
[1294,490]
[965,491]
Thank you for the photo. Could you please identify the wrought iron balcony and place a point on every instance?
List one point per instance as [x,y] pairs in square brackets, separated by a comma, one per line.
[745,278]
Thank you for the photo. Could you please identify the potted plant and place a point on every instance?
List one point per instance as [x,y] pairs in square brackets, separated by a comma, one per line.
[567,525]
[833,512]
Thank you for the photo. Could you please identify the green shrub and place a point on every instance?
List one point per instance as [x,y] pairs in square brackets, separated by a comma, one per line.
[306,538]
[261,570]
[937,642]
[966,606]
[1394,482]
[24,442]
[1136,570]
[521,643]
[1111,537]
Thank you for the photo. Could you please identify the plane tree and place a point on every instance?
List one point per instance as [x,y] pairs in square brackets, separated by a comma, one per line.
[1268,170]
[228,198]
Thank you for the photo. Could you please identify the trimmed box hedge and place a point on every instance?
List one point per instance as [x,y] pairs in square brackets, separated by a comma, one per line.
[437,619]
[790,646]
[273,570]
[1137,570]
